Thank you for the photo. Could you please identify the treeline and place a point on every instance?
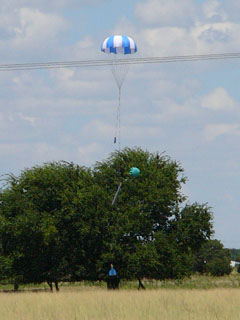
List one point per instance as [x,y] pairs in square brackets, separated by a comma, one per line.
[57,223]
[235,254]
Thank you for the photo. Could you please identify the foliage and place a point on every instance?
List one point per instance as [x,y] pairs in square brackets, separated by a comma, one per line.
[57,222]
[235,254]
[193,227]
[238,268]
[212,258]
[40,226]
[149,235]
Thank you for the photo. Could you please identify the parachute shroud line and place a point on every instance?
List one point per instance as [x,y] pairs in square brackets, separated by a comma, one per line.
[116,194]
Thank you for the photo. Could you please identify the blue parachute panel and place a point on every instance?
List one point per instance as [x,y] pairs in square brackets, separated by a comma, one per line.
[119,44]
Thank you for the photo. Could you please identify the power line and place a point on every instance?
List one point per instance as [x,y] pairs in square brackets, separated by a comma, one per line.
[128,61]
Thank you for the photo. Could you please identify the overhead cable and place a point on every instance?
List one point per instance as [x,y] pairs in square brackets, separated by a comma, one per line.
[128,61]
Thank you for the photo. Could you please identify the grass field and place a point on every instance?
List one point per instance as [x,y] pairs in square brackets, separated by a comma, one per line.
[193,282]
[96,303]
[198,297]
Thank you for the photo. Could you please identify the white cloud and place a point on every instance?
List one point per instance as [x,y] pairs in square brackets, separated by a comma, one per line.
[87,152]
[212,131]
[30,120]
[212,10]
[218,99]
[30,34]
[185,27]
[229,9]
[35,26]
[86,43]
[169,110]
[166,12]
[11,149]
[221,35]
[29,85]
[70,81]
[164,41]
[48,4]
[202,38]
[31,153]
[98,130]
[83,49]
[93,89]
[1,117]
[136,132]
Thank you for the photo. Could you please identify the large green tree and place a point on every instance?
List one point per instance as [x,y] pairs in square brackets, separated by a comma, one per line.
[151,232]
[41,230]
[58,221]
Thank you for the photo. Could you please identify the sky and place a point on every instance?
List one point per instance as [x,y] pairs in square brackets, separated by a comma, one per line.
[189,110]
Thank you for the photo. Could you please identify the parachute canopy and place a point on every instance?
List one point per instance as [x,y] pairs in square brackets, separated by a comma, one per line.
[134,172]
[119,44]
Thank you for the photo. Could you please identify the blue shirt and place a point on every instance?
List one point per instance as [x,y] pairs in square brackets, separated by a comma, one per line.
[112,272]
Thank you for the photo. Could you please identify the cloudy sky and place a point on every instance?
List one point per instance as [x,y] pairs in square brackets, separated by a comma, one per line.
[190,110]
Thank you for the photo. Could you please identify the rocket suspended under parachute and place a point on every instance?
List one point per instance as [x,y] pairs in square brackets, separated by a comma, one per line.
[115,45]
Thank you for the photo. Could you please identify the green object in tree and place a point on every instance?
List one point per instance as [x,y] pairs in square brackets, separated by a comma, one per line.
[134,172]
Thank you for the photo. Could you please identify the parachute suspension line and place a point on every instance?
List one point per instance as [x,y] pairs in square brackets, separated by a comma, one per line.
[117,137]
[119,73]
[119,118]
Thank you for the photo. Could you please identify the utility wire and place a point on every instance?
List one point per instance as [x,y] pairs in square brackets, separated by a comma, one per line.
[101,63]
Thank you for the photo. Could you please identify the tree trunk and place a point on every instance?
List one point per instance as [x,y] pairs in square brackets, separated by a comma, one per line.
[50,285]
[56,286]
[140,285]
[16,286]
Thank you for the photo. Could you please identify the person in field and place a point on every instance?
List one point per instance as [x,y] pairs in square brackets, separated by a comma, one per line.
[112,271]
[113,280]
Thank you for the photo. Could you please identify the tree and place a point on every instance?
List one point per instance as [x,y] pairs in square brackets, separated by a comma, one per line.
[235,254]
[59,224]
[192,226]
[41,227]
[142,239]
[212,258]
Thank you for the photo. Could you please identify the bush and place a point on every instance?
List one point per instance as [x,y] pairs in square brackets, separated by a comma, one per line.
[218,267]
[212,258]
[238,268]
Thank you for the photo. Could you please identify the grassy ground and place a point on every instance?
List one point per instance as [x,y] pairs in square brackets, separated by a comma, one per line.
[198,297]
[194,282]
[91,303]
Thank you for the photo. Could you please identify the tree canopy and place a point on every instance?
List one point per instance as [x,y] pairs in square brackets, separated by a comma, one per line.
[213,258]
[57,221]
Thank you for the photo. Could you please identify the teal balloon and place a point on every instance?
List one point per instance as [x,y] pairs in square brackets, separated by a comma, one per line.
[134,172]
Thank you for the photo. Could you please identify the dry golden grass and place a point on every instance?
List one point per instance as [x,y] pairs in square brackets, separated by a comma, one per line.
[100,304]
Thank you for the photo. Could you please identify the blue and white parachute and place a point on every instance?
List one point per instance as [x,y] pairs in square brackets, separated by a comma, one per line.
[119,44]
